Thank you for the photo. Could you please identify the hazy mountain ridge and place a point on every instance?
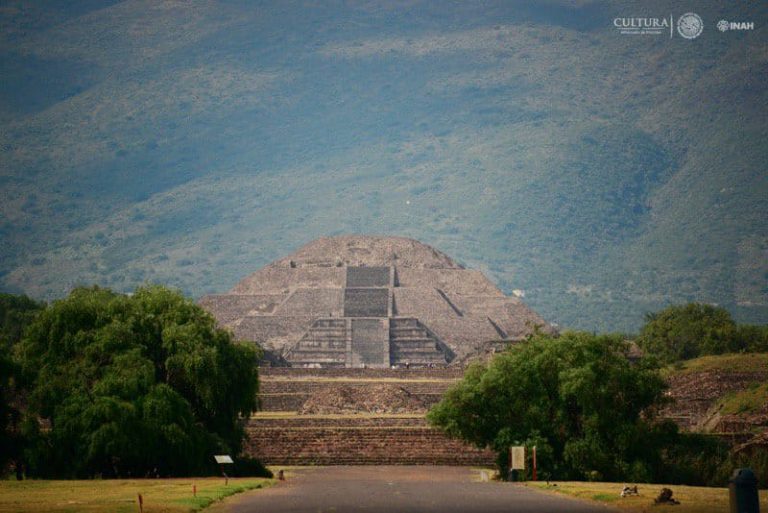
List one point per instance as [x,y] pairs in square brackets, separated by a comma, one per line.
[603,174]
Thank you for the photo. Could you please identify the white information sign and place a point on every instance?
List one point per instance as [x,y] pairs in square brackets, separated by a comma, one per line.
[223,458]
[517,455]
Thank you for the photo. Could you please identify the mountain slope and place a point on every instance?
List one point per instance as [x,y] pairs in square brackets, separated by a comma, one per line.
[606,175]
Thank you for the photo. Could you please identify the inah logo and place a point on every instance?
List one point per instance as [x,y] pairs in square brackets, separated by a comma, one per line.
[690,25]
[725,26]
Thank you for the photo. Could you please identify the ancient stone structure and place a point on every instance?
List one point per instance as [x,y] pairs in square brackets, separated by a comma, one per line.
[364,334]
[373,302]
[340,416]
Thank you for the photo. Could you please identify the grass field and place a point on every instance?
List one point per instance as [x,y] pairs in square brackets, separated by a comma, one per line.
[119,495]
[693,499]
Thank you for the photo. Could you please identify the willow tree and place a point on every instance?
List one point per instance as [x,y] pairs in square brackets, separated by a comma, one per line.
[129,385]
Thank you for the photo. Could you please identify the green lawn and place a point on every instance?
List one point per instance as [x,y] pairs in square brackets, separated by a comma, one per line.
[693,499]
[119,495]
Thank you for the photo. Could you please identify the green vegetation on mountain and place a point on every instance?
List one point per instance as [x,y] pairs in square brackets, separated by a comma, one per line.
[131,386]
[189,144]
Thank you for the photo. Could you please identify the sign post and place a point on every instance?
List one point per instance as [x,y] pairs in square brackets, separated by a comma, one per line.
[517,460]
[224,459]
[534,462]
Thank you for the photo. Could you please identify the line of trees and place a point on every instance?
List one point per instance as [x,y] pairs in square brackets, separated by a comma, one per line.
[107,384]
[591,411]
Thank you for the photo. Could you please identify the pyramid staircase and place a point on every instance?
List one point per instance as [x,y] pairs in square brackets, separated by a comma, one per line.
[324,343]
[412,344]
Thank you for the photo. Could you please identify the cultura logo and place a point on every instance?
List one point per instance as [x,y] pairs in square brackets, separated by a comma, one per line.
[642,25]
[689,25]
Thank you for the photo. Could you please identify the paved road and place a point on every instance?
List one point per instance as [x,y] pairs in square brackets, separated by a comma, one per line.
[400,489]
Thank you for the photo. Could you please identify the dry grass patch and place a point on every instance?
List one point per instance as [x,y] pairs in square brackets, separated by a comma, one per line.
[693,499]
[119,495]
[751,400]
[748,362]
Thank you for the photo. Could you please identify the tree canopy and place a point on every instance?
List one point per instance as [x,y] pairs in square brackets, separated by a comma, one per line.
[16,313]
[576,397]
[682,332]
[126,384]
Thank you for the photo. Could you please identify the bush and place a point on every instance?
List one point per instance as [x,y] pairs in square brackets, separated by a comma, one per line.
[696,460]
[250,467]
[752,339]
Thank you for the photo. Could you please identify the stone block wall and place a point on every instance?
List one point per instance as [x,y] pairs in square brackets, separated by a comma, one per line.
[281,436]
[313,303]
[387,443]
[362,277]
[289,373]
[368,302]
[464,282]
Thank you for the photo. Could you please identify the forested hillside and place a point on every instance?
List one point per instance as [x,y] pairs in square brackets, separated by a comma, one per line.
[606,175]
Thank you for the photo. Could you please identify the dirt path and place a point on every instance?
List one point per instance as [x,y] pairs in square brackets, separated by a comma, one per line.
[400,489]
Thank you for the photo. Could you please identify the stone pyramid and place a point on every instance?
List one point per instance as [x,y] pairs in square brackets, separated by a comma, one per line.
[367,301]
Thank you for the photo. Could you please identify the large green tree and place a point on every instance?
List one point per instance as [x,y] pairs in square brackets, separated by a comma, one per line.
[16,313]
[126,384]
[681,332]
[576,397]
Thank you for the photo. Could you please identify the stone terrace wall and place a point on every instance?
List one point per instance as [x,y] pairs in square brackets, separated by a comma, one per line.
[291,439]
[291,395]
[285,279]
[268,373]
[230,307]
[306,421]
[694,394]
[421,302]
[465,282]
[278,331]
[313,303]
[387,443]
[294,401]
